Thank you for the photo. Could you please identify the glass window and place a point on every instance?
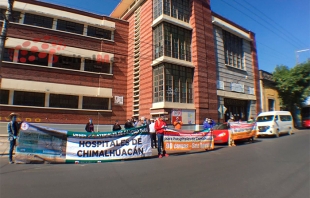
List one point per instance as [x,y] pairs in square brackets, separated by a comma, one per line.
[99,33]
[67,62]
[233,50]
[64,101]
[96,66]
[69,26]
[37,20]
[157,8]
[172,41]
[4,96]
[29,98]
[285,118]
[15,15]
[178,9]
[264,118]
[35,58]
[8,54]
[177,83]
[95,103]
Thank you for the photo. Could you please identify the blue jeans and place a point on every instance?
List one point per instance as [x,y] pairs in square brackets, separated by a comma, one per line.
[160,143]
[12,144]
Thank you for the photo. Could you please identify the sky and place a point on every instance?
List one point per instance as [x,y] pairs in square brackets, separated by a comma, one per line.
[282,27]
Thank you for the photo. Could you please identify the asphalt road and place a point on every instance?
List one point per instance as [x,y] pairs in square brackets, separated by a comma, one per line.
[270,167]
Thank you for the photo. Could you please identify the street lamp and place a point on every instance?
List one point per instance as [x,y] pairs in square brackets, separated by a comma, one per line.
[304,50]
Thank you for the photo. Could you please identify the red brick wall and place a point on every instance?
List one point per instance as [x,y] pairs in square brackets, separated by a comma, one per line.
[203,57]
[146,57]
[118,82]
[256,73]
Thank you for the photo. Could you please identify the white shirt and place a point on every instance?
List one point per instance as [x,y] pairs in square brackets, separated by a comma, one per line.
[152,127]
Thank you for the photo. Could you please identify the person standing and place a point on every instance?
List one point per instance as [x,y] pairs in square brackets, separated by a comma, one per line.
[89,126]
[153,134]
[209,124]
[117,126]
[160,126]
[13,131]
[177,123]
[128,124]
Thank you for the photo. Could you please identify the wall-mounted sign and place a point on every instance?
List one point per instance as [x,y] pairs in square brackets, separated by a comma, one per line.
[118,100]
[237,87]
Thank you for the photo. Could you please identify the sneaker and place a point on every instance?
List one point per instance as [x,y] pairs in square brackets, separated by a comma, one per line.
[160,156]
[166,155]
[11,162]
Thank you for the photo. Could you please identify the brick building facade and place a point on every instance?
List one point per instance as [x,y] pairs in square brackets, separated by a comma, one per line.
[157,57]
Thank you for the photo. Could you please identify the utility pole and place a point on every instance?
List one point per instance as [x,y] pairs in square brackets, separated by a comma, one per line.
[6,20]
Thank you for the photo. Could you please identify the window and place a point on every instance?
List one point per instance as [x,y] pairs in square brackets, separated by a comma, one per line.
[67,62]
[172,41]
[179,9]
[96,66]
[158,83]
[4,96]
[95,103]
[157,8]
[37,20]
[285,118]
[99,33]
[64,101]
[35,58]
[233,50]
[251,90]
[8,54]
[29,98]
[69,26]
[178,83]
[15,15]
[271,105]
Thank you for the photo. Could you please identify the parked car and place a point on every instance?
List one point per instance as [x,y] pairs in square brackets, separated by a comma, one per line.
[274,123]
[220,133]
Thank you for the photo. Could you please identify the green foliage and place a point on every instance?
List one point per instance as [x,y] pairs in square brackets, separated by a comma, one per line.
[293,84]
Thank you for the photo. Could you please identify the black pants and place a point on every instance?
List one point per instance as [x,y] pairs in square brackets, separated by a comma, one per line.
[153,140]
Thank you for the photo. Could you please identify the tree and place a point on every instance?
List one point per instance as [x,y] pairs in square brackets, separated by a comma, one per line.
[293,85]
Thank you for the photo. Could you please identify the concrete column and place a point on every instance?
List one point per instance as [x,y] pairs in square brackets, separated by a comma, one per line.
[22,18]
[54,24]
[47,100]
[85,30]
[112,35]
[15,56]
[80,106]
[82,68]
[11,97]
[50,60]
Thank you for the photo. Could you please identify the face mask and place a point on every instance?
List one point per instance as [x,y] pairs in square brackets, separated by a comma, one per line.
[90,121]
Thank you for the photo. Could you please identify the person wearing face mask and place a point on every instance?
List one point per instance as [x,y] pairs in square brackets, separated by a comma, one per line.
[208,124]
[89,126]
[13,130]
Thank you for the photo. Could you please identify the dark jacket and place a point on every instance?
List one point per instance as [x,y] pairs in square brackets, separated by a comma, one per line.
[128,125]
[13,128]
[89,127]
[117,127]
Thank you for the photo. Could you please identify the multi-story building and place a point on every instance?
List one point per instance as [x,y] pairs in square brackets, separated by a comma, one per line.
[237,70]
[270,100]
[149,58]
[63,65]
[171,59]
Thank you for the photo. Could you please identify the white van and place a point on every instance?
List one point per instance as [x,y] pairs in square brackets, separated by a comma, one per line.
[274,123]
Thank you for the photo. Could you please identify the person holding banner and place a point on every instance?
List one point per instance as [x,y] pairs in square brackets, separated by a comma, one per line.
[177,123]
[208,124]
[160,126]
[13,131]
[152,134]
[89,126]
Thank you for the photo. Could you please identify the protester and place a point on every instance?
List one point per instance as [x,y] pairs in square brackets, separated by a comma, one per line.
[177,123]
[138,123]
[152,134]
[251,120]
[128,124]
[117,126]
[208,124]
[89,126]
[13,131]
[232,119]
[160,126]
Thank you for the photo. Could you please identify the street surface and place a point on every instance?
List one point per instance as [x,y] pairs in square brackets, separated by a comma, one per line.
[268,168]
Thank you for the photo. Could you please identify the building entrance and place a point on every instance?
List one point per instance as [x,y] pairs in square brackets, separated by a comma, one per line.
[236,108]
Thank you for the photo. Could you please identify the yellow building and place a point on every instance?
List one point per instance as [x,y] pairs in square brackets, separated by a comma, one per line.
[270,100]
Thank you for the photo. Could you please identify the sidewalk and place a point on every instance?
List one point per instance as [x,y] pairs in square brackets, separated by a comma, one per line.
[4,145]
